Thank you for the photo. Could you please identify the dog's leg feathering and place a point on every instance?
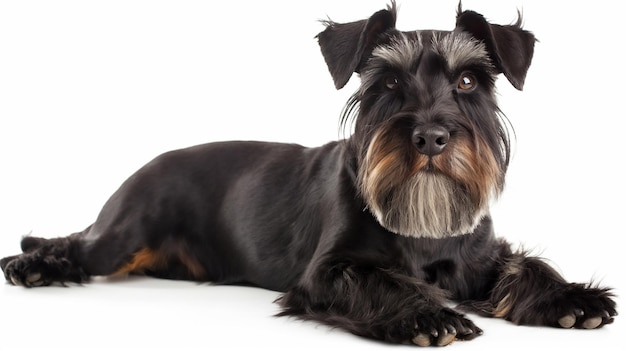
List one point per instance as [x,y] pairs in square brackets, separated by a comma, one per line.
[379,304]
[530,292]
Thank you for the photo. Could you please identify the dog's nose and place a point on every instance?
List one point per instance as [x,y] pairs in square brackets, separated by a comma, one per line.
[430,140]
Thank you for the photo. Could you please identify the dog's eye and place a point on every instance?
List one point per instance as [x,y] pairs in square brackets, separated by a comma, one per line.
[467,82]
[391,82]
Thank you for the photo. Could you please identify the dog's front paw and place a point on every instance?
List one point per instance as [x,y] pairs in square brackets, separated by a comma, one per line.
[584,307]
[442,327]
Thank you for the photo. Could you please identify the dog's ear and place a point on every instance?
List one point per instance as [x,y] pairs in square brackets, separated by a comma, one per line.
[510,47]
[346,46]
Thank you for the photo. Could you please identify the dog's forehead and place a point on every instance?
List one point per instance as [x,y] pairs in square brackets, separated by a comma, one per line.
[457,48]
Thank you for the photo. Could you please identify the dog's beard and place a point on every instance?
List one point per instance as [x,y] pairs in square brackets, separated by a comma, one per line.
[414,195]
[428,205]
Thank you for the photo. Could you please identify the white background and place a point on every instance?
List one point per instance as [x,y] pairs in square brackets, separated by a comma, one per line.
[92,90]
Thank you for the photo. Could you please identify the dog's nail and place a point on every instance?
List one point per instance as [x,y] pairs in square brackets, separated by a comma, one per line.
[421,340]
[445,339]
[465,331]
[605,314]
[15,281]
[434,333]
[578,312]
[592,323]
[567,321]
[31,278]
[451,329]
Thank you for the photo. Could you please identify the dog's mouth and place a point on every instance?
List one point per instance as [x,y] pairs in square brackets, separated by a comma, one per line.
[430,167]
[435,166]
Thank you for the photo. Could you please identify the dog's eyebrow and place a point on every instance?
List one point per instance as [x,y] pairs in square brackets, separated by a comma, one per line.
[460,50]
[401,52]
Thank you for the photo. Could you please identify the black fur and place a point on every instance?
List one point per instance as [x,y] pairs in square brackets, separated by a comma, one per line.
[372,234]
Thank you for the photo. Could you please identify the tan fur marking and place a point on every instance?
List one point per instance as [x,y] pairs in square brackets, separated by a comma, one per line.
[148,259]
[504,307]
[142,260]
[386,166]
[193,266]
[473,165]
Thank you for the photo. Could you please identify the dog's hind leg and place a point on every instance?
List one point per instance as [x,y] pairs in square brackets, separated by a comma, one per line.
[117,241]
[160,222]
[113,245]
[96,251]
[100,249]
[141,229]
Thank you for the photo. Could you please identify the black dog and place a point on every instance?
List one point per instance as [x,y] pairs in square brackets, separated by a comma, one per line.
[371,234]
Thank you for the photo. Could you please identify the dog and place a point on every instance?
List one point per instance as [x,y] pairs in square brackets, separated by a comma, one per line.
[373,234]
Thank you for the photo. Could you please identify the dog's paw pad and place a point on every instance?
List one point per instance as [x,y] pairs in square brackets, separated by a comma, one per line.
[443,328]
[592,323]
[567,321]
[578,319]
[422,339]
[435,338]
[33,277]
[446,338]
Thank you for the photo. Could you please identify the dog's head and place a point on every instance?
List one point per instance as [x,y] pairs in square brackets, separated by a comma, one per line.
[431,147]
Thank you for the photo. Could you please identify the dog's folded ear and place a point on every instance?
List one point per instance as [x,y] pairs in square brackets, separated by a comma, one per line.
[510,47]
[346,46]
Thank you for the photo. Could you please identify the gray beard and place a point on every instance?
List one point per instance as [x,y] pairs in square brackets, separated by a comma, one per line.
[428,205]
